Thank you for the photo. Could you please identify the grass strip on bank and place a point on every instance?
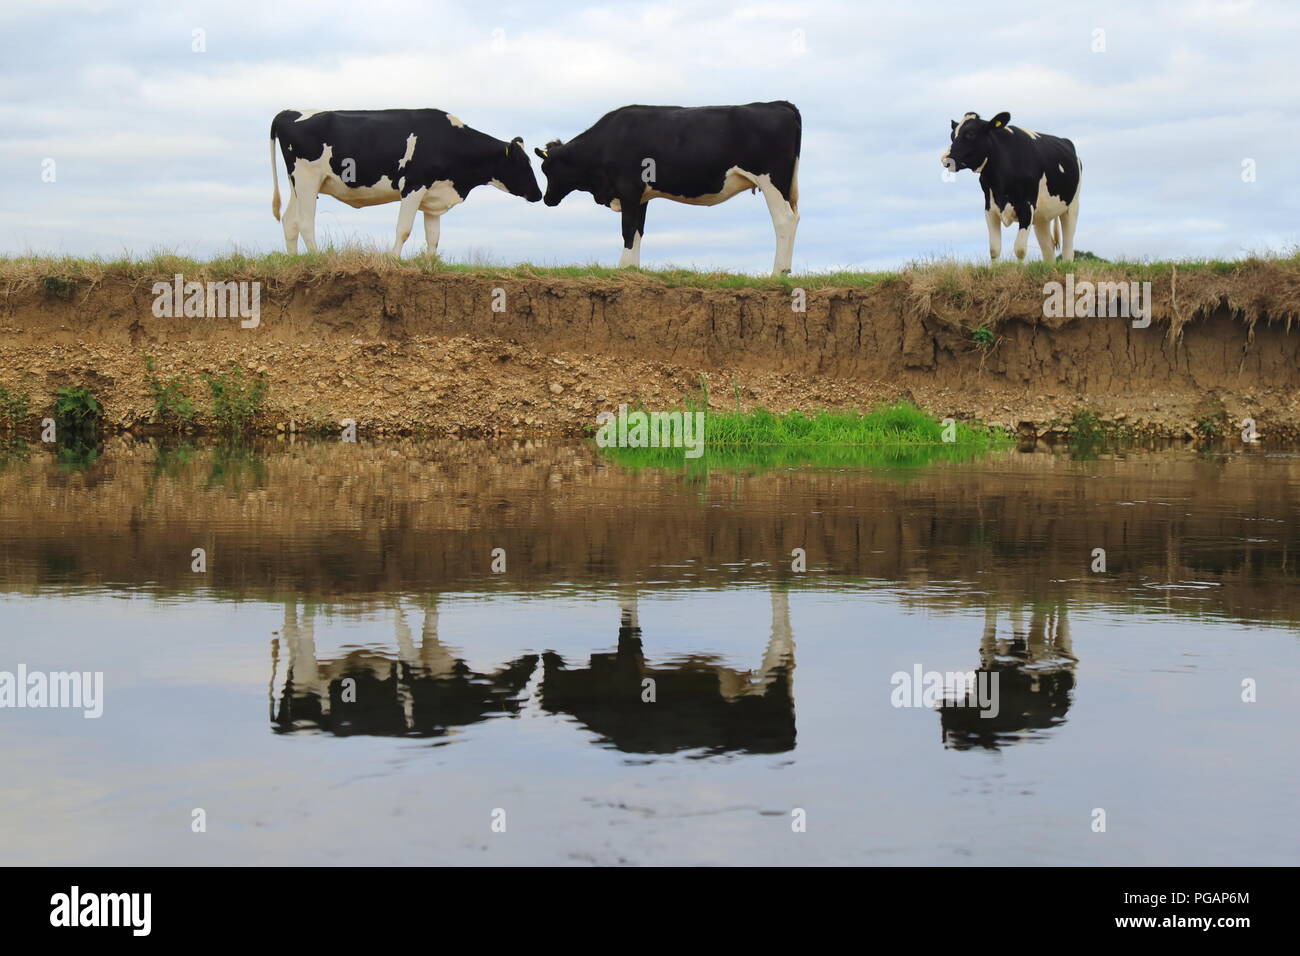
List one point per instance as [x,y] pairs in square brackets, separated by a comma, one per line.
[898,435]
[59,276]
[898,424]
[63,276]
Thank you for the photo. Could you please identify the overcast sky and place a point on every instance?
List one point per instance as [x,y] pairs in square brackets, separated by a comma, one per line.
[158,147]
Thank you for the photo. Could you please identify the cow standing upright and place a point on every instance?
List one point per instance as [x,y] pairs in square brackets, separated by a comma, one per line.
[427,160]
[699,155]
[1028,178]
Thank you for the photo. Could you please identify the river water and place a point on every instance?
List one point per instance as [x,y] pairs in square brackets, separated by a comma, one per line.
[522,653]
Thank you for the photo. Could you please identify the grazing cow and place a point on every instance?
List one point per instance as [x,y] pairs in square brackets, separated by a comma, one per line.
[1027,178]
[426,159]
[700,155]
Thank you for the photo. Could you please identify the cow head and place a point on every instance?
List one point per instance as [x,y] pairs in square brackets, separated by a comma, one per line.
[561,172]
[514,172]
[972,139]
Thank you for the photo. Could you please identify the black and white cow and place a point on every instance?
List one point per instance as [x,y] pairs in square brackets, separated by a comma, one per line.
[426,159]
[700,155]
[1027,178]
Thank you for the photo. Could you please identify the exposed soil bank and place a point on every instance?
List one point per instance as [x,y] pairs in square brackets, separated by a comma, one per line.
[401,349]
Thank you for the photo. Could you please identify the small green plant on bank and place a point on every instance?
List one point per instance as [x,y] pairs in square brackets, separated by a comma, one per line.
[14,407]
[1211,427]
[1085,426]
[172,404]
[236,398]
[700,403]
[983,337]
[56,287]
[75,411]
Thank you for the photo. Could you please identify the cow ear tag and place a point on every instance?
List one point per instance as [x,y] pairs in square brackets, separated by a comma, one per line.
[997,123]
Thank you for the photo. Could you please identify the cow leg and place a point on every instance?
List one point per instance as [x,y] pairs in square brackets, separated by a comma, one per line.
[1043,233]
[1068,221]
[406,219]
[432,228]
[290,224]
[785,220]
[633,229]
[994,222]
[1024,216]
[305,191]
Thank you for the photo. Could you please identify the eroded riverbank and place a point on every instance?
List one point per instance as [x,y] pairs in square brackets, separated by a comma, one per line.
[406,351]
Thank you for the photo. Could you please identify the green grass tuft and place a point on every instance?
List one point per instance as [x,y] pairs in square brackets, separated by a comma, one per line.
[172,404]
[76,412]
[897,424]
[896,436]
[57,287]
[237,399]
[15,405]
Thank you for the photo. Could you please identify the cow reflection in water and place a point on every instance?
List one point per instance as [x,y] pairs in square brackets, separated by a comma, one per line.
[425,692]
[1035,680]
[691,704]
[698,704]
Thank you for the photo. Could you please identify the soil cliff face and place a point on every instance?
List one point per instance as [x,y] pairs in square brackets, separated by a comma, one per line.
[402,349]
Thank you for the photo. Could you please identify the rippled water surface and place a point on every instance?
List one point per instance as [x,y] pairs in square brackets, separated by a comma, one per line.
[397,650]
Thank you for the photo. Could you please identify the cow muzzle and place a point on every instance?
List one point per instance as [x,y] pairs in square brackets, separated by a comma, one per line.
[948,162]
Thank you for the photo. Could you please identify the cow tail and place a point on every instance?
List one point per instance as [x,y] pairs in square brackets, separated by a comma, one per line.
[275,179]
[1056,233]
